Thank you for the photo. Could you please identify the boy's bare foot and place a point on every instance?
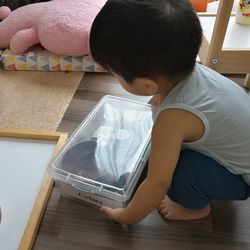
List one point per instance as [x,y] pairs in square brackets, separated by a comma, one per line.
[171,210]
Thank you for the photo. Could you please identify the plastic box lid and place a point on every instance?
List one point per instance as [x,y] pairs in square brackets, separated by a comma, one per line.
[109,149]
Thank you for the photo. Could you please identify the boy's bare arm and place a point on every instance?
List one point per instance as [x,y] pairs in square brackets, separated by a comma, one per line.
[171,128]
[163,158]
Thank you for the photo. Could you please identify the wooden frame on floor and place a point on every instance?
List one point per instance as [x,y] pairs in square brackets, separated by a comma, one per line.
[35,217]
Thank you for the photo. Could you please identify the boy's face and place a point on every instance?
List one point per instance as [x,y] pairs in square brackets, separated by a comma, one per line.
[140,86]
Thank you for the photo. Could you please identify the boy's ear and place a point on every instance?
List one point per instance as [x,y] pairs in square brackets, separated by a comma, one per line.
[150,86]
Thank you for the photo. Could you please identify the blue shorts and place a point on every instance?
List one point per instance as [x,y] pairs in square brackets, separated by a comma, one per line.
[199,178]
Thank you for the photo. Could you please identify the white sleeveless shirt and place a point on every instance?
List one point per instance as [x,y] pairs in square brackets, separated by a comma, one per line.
[224,109]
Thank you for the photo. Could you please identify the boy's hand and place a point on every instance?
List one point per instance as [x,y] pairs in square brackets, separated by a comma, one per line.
[116,214]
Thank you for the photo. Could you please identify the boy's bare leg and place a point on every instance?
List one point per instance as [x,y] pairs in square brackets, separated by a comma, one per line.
[171,210]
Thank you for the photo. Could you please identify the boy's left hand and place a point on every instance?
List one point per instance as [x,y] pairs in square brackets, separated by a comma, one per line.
[116,214]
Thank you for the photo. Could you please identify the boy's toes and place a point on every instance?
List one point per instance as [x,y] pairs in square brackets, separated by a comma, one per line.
[163,211]
[171,210]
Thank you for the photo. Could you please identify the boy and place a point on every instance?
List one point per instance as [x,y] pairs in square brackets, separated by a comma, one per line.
[201,137]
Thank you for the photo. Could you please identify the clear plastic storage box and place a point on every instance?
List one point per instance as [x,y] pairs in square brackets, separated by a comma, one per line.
[103,159]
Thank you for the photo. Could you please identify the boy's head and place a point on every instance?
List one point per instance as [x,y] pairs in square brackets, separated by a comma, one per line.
[146,38]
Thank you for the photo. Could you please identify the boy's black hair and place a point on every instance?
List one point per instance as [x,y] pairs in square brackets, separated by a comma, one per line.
[146,38]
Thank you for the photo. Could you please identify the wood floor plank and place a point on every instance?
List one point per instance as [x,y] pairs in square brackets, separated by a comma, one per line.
[68,224]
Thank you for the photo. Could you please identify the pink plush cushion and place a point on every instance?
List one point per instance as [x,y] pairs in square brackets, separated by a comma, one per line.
[60,26]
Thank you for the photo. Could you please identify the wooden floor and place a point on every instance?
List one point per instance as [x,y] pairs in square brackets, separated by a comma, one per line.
[71,225]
